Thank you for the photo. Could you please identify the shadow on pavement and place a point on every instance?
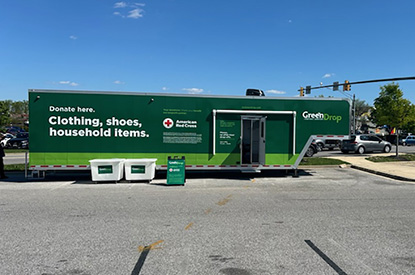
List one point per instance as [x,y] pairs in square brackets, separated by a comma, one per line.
[84,177]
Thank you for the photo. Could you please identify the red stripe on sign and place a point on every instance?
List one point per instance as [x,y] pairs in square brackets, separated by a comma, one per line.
[199,165]
[70,166]
[164,166]
[188,166]
[265,165]
[320,136]
[211,165]
[222,165]
[276,165]
[340,136]
[287,165]
[32,166]
[83,166]
[57,165]
[44,166]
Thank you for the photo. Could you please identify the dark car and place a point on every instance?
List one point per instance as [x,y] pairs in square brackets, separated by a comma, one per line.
[14,130]
[20,141]
[365,143]
[312,149]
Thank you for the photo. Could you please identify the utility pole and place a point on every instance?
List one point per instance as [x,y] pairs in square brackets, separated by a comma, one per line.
[354,114]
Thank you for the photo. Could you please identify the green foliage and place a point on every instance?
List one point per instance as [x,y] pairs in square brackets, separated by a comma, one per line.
[391,109]
[407,157]
[13,112]
[4,113]
[361,107]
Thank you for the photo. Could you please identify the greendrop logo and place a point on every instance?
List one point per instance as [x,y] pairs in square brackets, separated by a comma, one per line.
[320,116]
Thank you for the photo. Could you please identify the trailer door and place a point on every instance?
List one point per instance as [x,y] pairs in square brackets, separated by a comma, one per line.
[253,139]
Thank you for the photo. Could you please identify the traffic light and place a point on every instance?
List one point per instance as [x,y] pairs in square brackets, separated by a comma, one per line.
[308,90]
[336,86]
[301,91]
[346,86]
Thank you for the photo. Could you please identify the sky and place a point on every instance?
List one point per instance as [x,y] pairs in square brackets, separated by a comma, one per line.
[206,47]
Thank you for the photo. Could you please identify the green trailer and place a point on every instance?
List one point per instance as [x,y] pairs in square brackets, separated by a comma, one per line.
[247,133]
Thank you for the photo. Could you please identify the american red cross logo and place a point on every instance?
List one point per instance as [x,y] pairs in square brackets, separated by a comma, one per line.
[168,123]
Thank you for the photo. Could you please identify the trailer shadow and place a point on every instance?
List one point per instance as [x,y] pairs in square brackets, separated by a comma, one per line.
[84,177]
[237,174]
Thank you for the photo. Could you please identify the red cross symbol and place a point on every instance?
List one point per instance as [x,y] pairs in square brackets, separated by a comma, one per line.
[168,123]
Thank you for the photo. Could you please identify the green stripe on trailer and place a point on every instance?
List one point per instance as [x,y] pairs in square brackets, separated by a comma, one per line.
[191,159]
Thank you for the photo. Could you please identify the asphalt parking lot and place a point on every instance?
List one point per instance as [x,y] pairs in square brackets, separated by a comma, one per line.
[327,221]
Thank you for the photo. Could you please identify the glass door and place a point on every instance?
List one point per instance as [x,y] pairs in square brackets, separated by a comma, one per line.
[253,140]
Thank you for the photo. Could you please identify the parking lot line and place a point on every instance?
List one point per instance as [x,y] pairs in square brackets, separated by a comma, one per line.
[141,260]
[325,258]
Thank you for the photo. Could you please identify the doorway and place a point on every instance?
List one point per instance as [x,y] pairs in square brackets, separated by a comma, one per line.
[253,139]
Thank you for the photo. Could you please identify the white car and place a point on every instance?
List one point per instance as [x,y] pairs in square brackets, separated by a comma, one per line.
[6,138]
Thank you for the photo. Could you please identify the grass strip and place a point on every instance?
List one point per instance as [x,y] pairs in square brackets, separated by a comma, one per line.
[14,167]
[11,151]
[321,161]
[406,157]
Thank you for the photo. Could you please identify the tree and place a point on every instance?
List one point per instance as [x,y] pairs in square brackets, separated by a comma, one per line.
[13,113]
[362,113]
[393,110]
[4,114]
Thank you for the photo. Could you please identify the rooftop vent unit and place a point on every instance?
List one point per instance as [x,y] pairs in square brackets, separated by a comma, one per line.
[254,92]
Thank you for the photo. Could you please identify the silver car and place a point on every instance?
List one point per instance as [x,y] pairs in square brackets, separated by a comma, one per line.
[365,143]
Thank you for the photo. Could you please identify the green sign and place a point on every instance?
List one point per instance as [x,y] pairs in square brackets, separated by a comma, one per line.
[138,169]
[105,169]
[175,172]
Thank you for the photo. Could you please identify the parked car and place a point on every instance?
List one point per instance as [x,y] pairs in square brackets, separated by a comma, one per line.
[14,130]
[408,141]
[328,143]
[312,149]
[6,137]
[20,141]
[365,143]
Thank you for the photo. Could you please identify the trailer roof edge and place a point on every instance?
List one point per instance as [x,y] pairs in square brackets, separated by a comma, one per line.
[183,95]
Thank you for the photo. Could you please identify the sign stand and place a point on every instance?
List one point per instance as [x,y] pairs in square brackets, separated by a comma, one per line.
[176,171]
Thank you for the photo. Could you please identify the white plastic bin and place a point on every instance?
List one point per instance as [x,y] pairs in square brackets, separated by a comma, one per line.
[107,169]
[140,169]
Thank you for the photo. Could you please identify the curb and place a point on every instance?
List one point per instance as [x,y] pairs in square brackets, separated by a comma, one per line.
[303,167]
[382,173]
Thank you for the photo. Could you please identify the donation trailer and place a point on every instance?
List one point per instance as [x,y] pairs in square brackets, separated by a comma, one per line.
[247,133]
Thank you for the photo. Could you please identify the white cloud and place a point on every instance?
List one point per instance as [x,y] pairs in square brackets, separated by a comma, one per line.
[118,82]
[276,92]
[193,90]
[328,75]
[120,5]
[164,88]
[119,14]
[290,21]
[134,12]
[70,83]
[73,37]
